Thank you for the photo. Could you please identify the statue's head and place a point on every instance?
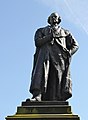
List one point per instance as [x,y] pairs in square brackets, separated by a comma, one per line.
[54,18]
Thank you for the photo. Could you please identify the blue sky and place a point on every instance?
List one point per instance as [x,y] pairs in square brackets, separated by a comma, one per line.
[19,19]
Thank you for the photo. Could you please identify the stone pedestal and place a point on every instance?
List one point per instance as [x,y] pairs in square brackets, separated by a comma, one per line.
[45,110]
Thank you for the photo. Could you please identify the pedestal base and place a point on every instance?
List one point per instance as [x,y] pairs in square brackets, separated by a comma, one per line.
[45,110]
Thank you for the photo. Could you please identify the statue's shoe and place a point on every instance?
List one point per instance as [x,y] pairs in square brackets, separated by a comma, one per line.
[37,98]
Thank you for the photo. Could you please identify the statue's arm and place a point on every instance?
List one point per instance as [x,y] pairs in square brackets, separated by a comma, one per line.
[74,44]
[41,39]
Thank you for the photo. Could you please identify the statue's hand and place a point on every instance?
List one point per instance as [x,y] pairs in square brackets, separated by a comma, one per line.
[50,36]
[67,51]
[55,33]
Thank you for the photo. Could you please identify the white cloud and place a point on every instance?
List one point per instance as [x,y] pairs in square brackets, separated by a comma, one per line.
[79,10]
[75,11]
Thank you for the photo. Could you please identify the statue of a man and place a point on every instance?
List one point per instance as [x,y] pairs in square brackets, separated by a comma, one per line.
[55,46]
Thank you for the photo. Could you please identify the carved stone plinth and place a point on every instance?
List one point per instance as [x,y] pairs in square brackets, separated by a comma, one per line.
[45,110]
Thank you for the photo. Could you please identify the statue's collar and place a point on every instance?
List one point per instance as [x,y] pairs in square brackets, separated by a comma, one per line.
[54,27]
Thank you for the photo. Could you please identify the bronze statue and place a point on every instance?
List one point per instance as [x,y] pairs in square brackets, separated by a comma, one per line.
[55,46]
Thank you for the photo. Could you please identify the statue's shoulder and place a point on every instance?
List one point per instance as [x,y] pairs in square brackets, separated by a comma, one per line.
[39,30]
[65,31]
[42,29]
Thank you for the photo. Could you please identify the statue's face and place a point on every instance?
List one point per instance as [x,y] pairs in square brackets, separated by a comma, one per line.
[54,18]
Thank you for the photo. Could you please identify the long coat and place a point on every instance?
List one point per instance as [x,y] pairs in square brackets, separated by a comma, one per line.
[51,74]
